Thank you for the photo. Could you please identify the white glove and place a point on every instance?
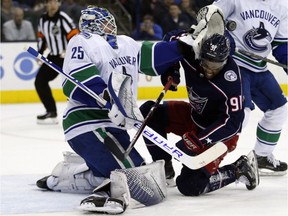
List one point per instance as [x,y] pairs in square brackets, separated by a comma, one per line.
[210,21]
[116,116]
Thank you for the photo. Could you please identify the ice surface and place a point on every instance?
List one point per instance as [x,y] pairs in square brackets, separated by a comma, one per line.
[30,151]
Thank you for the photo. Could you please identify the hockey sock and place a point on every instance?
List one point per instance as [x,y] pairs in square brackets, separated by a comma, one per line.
[223,177]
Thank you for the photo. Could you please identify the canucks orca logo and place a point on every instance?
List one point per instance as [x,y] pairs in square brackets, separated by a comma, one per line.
[198,103]
[257,38]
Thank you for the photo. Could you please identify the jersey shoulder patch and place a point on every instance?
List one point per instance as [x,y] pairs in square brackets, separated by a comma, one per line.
[230,76]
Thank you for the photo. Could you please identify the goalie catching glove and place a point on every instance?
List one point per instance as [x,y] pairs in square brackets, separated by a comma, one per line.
[209,21]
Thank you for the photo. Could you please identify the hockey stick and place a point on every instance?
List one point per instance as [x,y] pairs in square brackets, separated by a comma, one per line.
[110,142]
[193,162]
[70,78]
[261,58]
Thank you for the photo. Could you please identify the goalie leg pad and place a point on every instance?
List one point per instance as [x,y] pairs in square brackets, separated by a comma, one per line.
[73,176]
[146,184]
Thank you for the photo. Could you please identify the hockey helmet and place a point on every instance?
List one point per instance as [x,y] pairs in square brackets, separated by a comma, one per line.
[97,20]
[216,48]
[214,53]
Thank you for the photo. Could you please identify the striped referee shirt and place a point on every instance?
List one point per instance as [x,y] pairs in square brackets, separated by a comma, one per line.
[55,32]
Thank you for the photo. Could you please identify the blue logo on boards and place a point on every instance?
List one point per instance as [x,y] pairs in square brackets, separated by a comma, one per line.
[25,66]
[1,68]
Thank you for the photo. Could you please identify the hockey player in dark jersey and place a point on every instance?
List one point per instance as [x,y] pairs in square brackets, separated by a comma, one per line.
[214,113]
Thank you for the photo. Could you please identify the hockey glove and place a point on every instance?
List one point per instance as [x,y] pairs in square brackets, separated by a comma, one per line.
[190,144]
[116,116]
[174,74]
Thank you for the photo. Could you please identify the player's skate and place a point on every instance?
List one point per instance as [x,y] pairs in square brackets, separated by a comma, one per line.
[246,173]
[268,165]
[47,118]
[170,174]
[108,205]
[42,183]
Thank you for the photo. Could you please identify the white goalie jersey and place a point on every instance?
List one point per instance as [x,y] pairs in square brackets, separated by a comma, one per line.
[89,59]
[261,25]
[95,50]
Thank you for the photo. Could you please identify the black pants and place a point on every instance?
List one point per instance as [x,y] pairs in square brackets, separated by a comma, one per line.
[44,76]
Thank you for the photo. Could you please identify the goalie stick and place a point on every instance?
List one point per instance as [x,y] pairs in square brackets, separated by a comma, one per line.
[36,54]
[110,142]
[193,162]
[261,58]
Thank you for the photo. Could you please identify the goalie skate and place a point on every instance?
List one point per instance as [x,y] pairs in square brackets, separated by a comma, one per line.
[42,183]
[106,205]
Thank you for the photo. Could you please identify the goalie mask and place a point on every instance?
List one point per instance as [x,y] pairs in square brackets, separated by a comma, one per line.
[99,21]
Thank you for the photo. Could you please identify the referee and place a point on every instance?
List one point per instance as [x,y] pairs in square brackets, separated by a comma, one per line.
[55,28]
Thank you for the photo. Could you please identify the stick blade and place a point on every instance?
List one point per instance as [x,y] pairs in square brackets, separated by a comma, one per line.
[206,157]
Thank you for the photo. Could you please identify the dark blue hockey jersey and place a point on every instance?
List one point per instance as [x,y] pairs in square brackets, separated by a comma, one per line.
[217,102]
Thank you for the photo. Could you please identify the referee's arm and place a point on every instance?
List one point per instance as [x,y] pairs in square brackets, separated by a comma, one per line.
[69,26]
[41,43]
